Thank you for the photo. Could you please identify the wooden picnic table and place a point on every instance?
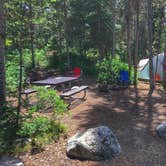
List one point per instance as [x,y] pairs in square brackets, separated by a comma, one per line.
[54,81]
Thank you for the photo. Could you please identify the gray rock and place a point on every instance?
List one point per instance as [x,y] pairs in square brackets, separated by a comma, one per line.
[10,161]
[23,141]
[94,144]
[161,130]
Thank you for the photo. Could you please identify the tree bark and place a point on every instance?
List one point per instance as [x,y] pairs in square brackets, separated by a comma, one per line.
[164,68]
[20,79]
[66,5]
[113,29]
[150,51]
[128,36]
[161,13]
[136,43]
[2,55]
[31,27]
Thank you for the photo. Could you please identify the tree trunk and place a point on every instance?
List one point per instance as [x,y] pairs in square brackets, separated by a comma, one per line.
[161,9]
[66,5]
[99,31]
[128,36]
[2,55]
[150,52]
[31,34]
[20,79]
[113,29]
[136,43]
[164,68]
[20,48]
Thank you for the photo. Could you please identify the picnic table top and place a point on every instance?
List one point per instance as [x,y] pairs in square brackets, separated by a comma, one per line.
[54,80]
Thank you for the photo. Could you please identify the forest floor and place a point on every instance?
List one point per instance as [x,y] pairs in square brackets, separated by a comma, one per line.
[132,120]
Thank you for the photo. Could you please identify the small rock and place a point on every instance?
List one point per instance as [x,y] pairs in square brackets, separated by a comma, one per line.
[23,141]
[161,130]
[94,144]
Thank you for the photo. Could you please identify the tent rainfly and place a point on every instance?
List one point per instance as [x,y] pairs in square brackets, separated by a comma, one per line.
[143,68]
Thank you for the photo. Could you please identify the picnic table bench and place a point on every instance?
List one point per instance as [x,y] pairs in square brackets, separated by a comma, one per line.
[68,94]
[27,92]
[53,81]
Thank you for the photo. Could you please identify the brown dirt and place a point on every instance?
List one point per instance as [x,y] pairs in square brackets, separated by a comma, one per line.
[133,121]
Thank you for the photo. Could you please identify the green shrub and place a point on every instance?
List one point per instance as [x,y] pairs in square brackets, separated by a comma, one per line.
[40,58]
[41,130]
[109,69]
[39,126]
[8,129]
[12,73]
[12,67]
[49,98]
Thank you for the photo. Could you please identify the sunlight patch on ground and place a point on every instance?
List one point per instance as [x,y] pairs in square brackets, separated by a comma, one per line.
[140,126]
[119,110]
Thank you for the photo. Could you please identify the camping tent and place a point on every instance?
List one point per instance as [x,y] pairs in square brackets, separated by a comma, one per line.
[143,68]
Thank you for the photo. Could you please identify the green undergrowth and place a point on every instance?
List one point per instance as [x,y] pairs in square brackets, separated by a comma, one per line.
[35,129]
[109,70]
[40,131]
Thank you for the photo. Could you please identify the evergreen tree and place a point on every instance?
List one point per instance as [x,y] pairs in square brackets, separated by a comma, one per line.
[2,55]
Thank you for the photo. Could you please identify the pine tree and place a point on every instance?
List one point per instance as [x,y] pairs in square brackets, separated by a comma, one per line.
[150,35]
[2,55]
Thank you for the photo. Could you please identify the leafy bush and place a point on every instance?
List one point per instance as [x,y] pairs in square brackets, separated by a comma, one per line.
[109,69]
[48,98]
[40,58]
[12,76]
[8,129]
[40,127]
[12,67]
[12,71]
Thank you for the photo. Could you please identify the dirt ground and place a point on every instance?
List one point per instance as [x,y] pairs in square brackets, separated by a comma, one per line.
[132,120]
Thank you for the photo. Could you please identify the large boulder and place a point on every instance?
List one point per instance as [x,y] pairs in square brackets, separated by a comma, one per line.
[161,130]
[94,144]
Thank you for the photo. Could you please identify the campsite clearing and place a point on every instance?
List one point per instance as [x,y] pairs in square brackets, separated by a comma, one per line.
[133,121]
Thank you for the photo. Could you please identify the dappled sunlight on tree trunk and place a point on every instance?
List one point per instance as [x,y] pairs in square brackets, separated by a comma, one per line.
[164,68]
[150,51]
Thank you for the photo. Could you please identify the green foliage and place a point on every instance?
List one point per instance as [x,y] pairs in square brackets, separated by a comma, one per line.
[48,98]
[8,129]
[92,53]
[40,58]
[12,73]
[109,69]
[86,63]
[40,130]
[12,67]
[8,42]
[58,61]
[12,70]
[40,126]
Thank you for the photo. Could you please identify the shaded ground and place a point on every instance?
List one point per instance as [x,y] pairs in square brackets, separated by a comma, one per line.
[133,122]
